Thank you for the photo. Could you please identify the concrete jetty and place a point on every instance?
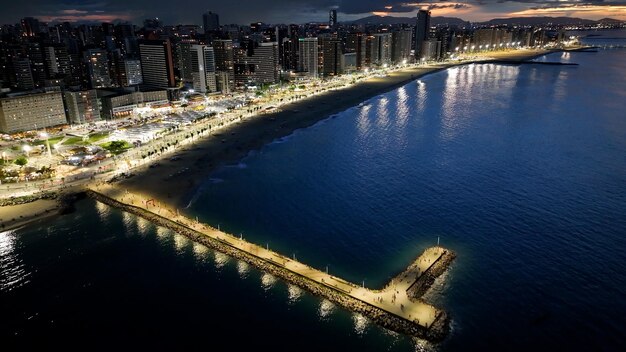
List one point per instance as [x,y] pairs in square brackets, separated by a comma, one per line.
[397,306]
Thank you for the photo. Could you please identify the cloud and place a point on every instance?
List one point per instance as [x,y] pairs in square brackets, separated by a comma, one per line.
[447,6]
[279,11]
[592,10]
[73,12]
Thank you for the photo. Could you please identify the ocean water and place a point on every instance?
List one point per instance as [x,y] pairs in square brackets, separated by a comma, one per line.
[519,169]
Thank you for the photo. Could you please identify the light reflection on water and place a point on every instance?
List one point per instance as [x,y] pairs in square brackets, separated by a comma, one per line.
[220,260]
[163,233]
[104,211]
[267,281]
[243,269]
[325,309]
[180,242]
[200,251]
[361,323]
[13,272]
[294,293]
[143,225]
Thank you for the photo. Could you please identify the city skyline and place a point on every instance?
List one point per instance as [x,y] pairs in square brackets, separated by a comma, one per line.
[299,11]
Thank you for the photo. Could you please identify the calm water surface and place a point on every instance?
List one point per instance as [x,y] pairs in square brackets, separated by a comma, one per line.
[520,169]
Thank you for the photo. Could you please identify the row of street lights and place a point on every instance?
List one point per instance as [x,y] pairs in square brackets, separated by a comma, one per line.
[487,46]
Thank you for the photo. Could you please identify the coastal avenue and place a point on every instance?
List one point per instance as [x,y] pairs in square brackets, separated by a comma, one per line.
[393,298]
[134,157]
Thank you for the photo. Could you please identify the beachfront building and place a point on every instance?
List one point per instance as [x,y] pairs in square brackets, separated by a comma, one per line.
[31,112]
[290,48]
[183,59]
[202,68]
[431,50]
[422,31]
[157,64]
[117,104]
[355,43]
[224,65]
[401,46]
[348,62]
[309,56]
[257,64]
[82,107]
[331,56]
[380,49]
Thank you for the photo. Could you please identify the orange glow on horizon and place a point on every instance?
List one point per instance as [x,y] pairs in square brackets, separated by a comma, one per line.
[583,11]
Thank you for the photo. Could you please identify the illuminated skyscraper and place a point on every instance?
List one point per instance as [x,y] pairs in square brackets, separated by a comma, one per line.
[422,29]
[332,18]
[157,64]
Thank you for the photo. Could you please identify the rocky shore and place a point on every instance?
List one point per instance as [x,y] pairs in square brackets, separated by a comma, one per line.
[4,202]
[435,332]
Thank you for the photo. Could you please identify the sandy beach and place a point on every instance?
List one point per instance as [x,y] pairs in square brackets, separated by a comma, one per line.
[14,216]
[234,142]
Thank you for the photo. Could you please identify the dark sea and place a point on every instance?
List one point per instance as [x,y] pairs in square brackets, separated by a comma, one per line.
[519,169]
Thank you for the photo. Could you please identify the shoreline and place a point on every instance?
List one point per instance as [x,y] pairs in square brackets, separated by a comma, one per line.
[235,142]
[13,217]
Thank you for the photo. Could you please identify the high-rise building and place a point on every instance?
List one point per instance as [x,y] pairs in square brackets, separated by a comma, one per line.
[57,60]
[203,68]
[183,57]
[309,56]
[132,70]
[431,50]
[30,26]
[332,18]
[381,49]
[210,21]
[290,48]
[23,76]
[258,64]
[82,107]
[331,56]
[31,112]
[355,43]
[348,62]
[224,65]
[401,45]
[422,30]
[34,52]
[157,63]
[97,64]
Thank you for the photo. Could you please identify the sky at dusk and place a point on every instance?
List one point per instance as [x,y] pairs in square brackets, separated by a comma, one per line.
[296,11]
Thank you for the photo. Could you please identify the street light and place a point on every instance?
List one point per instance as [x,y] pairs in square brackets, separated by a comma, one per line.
[45,135]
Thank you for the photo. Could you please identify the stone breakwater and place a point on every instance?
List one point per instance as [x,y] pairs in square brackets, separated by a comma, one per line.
[427,278]
[436,331]
[28,199]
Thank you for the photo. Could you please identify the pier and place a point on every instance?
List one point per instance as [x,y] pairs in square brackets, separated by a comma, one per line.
[397,306]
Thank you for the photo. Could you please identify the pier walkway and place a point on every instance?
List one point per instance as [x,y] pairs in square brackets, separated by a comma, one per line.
[394,298]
